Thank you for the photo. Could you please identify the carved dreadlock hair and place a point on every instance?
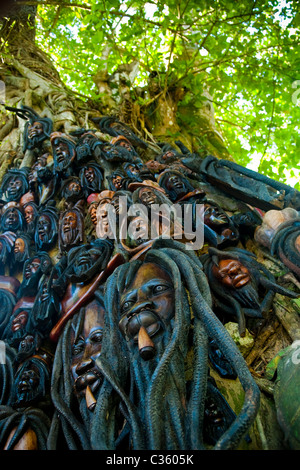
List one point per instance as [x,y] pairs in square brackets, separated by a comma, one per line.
[159,412]
[243,301]
[32,418]
[71,418]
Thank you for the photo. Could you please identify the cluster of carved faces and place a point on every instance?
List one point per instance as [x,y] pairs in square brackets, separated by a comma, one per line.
[55,216]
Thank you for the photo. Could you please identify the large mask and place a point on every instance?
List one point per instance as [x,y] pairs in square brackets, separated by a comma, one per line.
[64,152]
[147,306]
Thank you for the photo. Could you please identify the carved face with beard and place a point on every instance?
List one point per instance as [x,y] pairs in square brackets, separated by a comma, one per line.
[37,129]
[46,228]
[175,185]
[88,260]
[72,190]
[147,307]
[91,178]
[15,184]
[219,229]
[71,229]
[30,212]
[64,152]
[86,341]
[33,270]
[45,309]
[121,141]
[12,219]
[88,146]
[236,279]
[31,382]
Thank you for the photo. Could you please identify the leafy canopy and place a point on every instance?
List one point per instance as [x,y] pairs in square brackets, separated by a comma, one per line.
[246,53]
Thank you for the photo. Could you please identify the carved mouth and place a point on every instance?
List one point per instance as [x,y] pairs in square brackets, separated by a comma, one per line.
[60,157]
[16,327]
[12,191]
[24,386]
[93,378]
[32,134]
[84,260]
[240,280]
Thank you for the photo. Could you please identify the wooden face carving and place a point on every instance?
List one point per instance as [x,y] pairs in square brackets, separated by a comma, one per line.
[29,214]
[44,228]
[86,347]
[32,267]
[89,174]
[11,220]
[15,188]
[174,182]
[148,302]
[69,228]
[231,273]
[62,154]
[27,384]
[214,217]
[35,130]
[117,182]
[19,246]
[20,321]
[147,196]
[103,229]
[86,263]
[297,244]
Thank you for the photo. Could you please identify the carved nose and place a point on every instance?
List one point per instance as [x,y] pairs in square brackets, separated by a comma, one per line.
[84,366]
[139,307]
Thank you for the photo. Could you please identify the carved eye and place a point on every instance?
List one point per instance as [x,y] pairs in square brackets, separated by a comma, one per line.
[97,336]
[77,348]
[159,289]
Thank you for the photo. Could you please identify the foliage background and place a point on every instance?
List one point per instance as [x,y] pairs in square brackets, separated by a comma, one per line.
[246,54]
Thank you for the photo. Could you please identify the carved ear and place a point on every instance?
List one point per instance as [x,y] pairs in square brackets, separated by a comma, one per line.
[215,260]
